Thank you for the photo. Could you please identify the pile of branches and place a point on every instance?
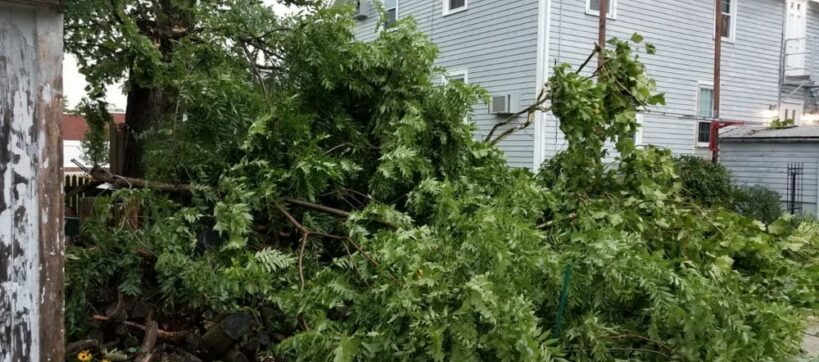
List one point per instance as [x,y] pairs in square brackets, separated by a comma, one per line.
[349,213]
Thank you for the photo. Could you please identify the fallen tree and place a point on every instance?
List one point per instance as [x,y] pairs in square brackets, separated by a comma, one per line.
[350,214]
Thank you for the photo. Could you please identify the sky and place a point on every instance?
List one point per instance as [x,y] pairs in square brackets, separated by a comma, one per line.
[74,83]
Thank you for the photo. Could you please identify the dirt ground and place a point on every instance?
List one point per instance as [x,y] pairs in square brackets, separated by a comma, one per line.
[811,343]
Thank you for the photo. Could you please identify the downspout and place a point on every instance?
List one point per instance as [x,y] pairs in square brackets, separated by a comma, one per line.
[544,32]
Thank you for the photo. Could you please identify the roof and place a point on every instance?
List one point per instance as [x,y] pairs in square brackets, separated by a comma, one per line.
[750,134]
[74,127]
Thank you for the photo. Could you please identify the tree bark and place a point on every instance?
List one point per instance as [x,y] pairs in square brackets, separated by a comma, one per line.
[146,109]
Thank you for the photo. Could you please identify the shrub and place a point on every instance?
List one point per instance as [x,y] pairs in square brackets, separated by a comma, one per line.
[757,202]
[703,181]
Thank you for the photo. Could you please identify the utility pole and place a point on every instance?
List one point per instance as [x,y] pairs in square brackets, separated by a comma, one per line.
[718,30]
[601,33]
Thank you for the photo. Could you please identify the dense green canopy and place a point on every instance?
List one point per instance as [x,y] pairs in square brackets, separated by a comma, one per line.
[342,201]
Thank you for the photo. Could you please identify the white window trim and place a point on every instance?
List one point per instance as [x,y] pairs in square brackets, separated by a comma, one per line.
[455,73]
[700,86]
[612,15]
[397,6]
[448,11]
[733,25]
[638,135]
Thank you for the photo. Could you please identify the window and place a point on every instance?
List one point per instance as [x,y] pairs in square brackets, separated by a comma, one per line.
[454,6]
[391,7]
[705,109]
[593,8]
[637,136]
[458,76]
[729,18]
[703,133]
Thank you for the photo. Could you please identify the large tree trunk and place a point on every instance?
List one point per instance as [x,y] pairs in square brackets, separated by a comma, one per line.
[150,107]
[147,108]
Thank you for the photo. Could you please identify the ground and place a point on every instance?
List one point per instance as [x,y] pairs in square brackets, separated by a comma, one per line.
[811,343]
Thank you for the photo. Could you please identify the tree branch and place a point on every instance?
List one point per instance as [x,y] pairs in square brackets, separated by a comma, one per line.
[542,98]
[319,208]
[172,337]
[596,49]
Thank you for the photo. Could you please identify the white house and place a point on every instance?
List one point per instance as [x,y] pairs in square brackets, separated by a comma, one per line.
[769,59]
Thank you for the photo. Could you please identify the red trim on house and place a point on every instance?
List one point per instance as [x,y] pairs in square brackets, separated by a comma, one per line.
[713,144]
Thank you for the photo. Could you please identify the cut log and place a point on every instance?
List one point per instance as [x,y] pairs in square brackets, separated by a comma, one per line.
[146,351]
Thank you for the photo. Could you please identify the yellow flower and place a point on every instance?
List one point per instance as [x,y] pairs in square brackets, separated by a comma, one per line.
[84,356]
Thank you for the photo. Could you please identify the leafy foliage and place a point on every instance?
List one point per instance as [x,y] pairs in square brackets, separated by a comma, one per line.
[447,253]
[709,184]
[703,181]
[95,140]
[757,202]
[778,123]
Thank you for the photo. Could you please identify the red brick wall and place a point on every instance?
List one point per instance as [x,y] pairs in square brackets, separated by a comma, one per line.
[74,127]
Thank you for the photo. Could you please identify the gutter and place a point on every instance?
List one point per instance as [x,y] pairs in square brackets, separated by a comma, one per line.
[770,139]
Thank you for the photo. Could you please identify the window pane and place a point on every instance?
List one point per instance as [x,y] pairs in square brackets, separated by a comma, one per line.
[454,4]
[457,78]
[390,4]
[726,6]
[594,5]
[726,26]
[706,103]
[390,17]
[704,132]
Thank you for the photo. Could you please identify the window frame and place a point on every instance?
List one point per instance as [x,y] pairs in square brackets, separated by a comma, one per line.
[732,27]
[609,15]
[700,119]
[637,136]
[457,73]
[447,11]
[387,25]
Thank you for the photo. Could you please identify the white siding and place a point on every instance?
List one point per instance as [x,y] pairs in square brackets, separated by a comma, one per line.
[682,32]
[765,164]
[495,41]
[812,95]
[813,35]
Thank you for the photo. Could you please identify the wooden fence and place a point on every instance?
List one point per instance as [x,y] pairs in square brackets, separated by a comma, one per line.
[71,183]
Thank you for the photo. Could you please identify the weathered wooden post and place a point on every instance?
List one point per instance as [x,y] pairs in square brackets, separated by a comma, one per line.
[31,198]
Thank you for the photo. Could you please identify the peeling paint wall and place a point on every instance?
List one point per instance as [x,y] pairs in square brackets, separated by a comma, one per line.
[31,241]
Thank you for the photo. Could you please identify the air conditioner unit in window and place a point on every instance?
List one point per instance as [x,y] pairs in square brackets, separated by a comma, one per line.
[362,9]
[504,104]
